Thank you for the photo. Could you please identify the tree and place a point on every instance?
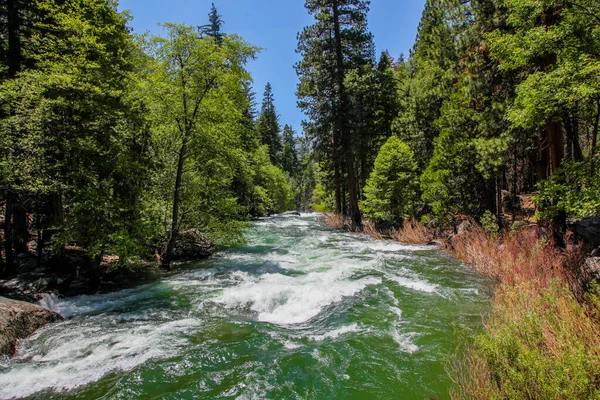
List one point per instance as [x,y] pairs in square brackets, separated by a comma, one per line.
[337,43]
[391,188]
[289,160]
[196,90]
[431,72]
[213,29]
[268,126]
[61,138]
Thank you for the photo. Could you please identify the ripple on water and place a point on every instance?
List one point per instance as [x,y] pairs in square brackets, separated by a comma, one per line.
[301,311]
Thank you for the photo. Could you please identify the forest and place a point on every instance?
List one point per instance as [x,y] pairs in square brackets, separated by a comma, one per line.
[117,145]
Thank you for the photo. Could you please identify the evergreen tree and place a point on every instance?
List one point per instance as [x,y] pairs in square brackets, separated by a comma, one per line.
[213,29]
[431,72]
[337,43]
[268,126]
[391,189]
[289,160]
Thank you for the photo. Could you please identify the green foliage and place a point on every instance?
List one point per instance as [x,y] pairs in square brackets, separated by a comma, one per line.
[391,188]
[268,126]
[489,222]
[539,346]
[573,189]
[322,200]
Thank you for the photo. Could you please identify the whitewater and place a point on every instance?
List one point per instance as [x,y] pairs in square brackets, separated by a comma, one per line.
[301,311]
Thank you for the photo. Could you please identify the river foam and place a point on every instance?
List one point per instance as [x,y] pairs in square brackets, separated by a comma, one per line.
[300,303]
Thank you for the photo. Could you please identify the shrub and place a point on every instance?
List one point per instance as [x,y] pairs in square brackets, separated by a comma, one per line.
[538,344]
[412,232]
[489,223]
[392,186]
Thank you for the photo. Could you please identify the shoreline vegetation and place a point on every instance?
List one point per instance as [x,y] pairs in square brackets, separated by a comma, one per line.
[542,336]
[120,150]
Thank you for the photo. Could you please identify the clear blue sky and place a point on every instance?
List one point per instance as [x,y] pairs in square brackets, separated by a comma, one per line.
[273,25]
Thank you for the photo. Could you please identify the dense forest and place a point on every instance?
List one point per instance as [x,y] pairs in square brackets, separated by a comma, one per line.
[117,146]
[496,99]
[116,143]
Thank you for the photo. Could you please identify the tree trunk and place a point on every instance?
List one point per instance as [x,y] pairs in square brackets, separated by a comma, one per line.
[8,235]
[168,256]
[343,123]
[595,139]
[13,24]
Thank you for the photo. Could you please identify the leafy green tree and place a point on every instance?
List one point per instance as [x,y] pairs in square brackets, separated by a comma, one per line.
[63,146]
[196,91]
[289,161]
[392,187]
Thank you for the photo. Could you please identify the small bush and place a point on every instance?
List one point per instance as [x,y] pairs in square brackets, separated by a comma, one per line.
[369,229]
[489,223]
[336,221]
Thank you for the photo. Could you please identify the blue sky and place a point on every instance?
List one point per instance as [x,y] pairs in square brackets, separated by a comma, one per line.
[273,25]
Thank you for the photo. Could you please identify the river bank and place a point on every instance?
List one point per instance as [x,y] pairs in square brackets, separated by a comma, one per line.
[542,337]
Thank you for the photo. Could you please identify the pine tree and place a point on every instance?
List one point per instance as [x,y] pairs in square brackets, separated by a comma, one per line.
[213,29]
[268,126]
[289,160]
[337,43]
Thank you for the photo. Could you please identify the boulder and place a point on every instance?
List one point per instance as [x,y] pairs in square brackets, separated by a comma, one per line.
[19,320]
[192,245]
[589,230]
[591,268]
[296,213]
[465,227]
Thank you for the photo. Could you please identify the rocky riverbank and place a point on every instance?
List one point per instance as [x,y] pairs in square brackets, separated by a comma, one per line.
[18,320]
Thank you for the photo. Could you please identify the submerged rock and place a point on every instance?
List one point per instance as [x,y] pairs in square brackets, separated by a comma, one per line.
[192,245]
[19,320]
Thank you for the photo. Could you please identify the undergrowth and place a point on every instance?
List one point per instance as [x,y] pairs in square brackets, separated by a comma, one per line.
[412,232]
[542,338]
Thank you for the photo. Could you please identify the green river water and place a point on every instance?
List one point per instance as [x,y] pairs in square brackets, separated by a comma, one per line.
[300,312]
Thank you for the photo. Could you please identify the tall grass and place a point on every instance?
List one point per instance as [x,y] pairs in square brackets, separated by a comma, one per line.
[542,340]
[412,232]
[369,229]
[334,220]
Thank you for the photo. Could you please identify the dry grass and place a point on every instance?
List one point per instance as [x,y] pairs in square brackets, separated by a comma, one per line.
[336,221]
[412,232]
[516,257]
[541,337]
[369,229]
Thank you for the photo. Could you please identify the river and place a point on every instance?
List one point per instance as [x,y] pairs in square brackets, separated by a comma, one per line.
[300,312]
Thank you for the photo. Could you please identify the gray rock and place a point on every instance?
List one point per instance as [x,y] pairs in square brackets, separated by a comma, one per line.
[591,267]
[192,245]
[589,230]
[465,227]
[19,320]
[290,213]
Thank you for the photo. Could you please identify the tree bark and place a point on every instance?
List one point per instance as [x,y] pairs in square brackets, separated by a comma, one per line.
[168,256]
[343,123]
[8,235]
[13,24]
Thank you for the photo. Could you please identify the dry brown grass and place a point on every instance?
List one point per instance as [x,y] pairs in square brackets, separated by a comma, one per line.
[412,232]
[541,335]
[516,257]
[369,229]
[336,221]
